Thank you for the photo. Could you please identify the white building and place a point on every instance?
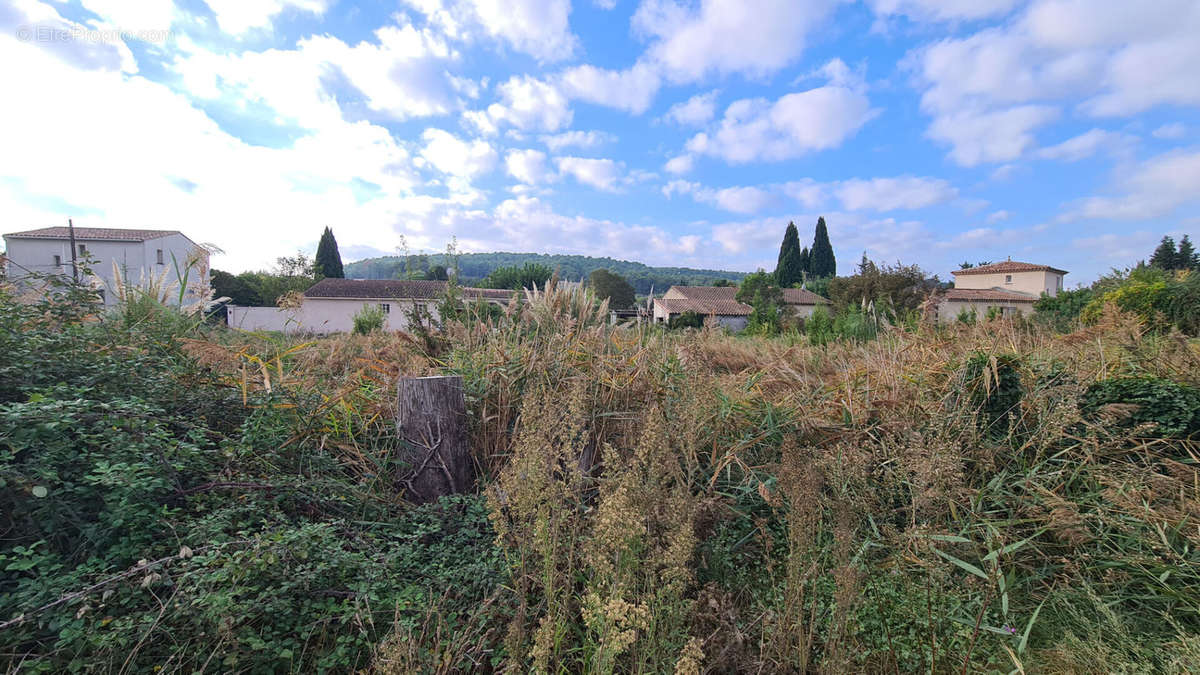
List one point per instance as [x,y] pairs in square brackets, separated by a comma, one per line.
[329,305]
[139,257]
[1009,287]
[719,304]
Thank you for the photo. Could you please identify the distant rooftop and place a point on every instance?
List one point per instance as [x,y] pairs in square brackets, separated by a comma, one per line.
[394,289]
[969,294]
[722,300]
[93,234]
[1008,266]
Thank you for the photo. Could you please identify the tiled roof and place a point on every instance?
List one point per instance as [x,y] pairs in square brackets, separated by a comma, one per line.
[93,234]
[394,289]
[722,300]
[705,300]
[1008,266]
[969,294]
[802,296]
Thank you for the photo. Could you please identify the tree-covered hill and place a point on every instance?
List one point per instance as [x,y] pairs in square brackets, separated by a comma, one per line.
[474,266]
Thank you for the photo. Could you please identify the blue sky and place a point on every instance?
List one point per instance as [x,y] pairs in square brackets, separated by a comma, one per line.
[673,132]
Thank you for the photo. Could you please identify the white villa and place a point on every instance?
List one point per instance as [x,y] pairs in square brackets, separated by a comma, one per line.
[1010,287]
[329,305]
[138,256]
[719,303]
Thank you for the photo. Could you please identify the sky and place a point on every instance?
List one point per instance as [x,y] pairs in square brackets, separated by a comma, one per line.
[671,132]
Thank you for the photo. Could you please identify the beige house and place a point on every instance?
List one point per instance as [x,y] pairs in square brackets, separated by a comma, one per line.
[329,305]
[1010,287]
[719,304]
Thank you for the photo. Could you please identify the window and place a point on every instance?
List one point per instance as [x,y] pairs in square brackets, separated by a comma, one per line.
[58,261]
[159,256]
[420,307]
[82,250]
[385,308]
[1008,278]
[1059,283]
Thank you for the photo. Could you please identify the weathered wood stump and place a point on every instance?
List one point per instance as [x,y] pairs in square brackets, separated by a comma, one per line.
[431,417]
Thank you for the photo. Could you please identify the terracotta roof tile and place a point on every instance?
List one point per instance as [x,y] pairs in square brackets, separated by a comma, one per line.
[968,294]
[1008,266]
[802,296]
[93,234]
[722,300]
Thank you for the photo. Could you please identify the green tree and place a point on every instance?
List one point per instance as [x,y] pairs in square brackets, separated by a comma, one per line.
[806,262]
[1187,258]
[517,278]
[238,289]
[789,270]
[1166,256]
[759,283]
[822,261]
[612,286]
[329,260]
[437,273]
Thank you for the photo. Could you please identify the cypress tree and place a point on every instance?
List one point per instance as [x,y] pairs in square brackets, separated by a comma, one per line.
[789,270]
[1187,258]
[806,261]
[822,263]
[329,260]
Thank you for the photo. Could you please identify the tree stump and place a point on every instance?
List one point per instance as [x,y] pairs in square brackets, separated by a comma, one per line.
[431,417]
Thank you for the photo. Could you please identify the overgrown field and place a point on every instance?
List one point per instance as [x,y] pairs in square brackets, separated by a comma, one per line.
[986,498]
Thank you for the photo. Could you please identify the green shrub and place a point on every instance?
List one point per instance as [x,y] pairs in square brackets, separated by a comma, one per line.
[1173,408]
[819,327]
[368,320]
[688,319]
[992,385]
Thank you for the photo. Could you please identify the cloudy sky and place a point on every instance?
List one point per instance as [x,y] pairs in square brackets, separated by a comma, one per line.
[683,132]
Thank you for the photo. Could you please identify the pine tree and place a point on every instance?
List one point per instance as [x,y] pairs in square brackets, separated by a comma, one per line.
[329,261]
[822,262]
[789,270]
[1164,255]
[1187,258]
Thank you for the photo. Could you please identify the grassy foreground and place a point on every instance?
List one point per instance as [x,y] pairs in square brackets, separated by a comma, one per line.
[989,498]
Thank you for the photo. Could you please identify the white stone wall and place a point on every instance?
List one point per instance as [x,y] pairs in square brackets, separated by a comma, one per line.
[324,315]
[948,310]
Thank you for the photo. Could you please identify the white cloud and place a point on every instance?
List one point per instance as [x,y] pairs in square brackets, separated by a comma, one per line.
[942,10]
[989,92]
[577,138]
[539,28]
[1174,130]
[1085,145]
[694,112]
[1153,188]
[995,136]
[402,76]
[998,216]
[456,157]
[148,15]
[631,90]
[531,104]
[856,194]
[528,166]
[727,36]
[679,165]
[602,174]
[239,16]
[794,125]
[889,194]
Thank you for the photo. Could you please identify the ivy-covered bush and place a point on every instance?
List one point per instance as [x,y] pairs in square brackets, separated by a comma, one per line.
[1172,408]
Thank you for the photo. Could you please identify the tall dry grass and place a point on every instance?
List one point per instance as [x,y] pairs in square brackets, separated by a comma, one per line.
[701,502]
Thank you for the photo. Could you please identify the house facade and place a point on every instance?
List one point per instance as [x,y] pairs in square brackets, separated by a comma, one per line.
[114,256]
[329,305]
[1009,287]
[720,304]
